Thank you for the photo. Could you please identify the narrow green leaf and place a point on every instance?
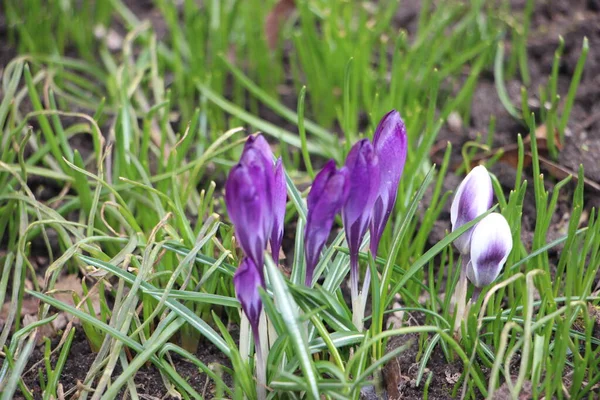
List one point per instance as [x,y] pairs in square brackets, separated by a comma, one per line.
[181,310]
[289,312]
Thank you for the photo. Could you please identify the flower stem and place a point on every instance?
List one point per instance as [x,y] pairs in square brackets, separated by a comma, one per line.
[475,295]
[308,279]
[356,301]
[460,295]
[354,277]
[244,337]
[360,303]
[365,289]
[261,368]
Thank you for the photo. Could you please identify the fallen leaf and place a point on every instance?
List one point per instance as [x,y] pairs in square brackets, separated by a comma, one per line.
[510,155]
[503,392]
[395,381]
[541,135]
[65,286]
[280,12]
[395,321]
[69,284]
[63,292]
[560,172]
[28,306]
[452,378]
[46,330]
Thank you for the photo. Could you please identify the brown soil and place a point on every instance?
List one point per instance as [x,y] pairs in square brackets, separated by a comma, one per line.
[148,380]
[400,375]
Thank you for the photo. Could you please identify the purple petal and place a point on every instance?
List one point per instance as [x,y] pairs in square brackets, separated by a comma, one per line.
[260,143]
[364,176]
[279,201]
[249,198]
[473,197]
[247,280]
[390,142]
[320,183]
[363,169]
[490,246]
[326,198]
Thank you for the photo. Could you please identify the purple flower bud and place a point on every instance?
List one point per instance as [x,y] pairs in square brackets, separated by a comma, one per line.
[260,143]
[279,200]
[473,197]
[249,200]
[326,198]
[390,144]
[363,170]
[490,246]
[247,280]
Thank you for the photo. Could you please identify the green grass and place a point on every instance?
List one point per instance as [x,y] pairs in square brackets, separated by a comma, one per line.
[142,218]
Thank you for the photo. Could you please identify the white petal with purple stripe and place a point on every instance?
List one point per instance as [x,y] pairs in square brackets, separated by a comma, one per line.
[491,244]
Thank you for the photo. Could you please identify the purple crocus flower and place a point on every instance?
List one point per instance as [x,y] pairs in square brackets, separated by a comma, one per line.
[473,197]
[390,144]
[279,200]
[363,174]
[328,194]
[247,280]
[249,199]
[259,143]
[491,244]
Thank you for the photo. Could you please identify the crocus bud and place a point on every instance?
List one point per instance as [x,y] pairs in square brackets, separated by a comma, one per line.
[473,197]
[249,200]
[259,143]
[279,200]
[246,280]
[390,144]
[490,246]
[326,198]
[363,173]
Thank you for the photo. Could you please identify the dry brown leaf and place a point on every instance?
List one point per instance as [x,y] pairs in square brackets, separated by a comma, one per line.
[63,292]
[280,12]
[29,306]
[452,378]
[510,155]
[64,288]
[503,392]
[69,284]
[560,172]
[511,152]
[46,330]
[541,135]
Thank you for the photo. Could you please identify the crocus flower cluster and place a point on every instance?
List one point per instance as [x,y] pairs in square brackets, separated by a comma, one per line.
[488,243]
[364,190]
[255,196]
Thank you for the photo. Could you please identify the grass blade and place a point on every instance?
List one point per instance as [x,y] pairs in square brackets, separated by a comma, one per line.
[289,312]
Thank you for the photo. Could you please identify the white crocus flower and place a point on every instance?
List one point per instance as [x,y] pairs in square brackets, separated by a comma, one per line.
[491,244]
[473,197]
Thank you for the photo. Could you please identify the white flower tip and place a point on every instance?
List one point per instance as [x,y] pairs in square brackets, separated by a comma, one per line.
[473,197]
[491,243]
